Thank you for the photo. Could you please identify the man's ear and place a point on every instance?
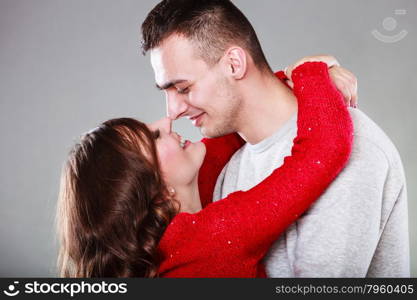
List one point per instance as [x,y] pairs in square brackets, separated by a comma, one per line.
[236,62]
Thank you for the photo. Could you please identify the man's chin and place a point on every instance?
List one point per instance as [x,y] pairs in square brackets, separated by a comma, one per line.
[207,133]
[212,132]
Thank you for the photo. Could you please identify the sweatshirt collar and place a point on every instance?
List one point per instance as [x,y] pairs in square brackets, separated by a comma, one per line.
[279,134]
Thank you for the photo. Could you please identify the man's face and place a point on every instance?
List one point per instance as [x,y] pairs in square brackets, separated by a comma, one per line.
[202,93]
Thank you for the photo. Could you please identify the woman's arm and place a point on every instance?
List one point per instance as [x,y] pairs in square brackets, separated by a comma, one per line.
[254,218]
[220,150]
[218,153]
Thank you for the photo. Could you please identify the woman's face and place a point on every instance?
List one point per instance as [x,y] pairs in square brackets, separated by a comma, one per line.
[180,160]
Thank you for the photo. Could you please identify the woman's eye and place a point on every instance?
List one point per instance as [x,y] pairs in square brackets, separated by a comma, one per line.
[156,134]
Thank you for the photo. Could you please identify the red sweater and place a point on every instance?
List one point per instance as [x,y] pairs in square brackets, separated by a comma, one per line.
[229,238]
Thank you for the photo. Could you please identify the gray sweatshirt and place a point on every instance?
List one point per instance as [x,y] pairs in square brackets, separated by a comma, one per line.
[357,228]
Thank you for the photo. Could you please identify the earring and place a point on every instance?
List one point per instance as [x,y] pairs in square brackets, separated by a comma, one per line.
[171,191]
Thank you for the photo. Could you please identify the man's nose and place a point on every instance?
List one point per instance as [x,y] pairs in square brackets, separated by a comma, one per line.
[176,105]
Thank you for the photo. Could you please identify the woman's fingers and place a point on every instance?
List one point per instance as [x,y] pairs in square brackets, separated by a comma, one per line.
[346,83]
[344,80]
[331,61]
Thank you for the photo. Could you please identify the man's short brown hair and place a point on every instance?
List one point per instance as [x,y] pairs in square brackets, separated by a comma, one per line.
[213,25]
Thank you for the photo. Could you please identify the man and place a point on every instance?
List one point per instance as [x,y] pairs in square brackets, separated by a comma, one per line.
[208,60]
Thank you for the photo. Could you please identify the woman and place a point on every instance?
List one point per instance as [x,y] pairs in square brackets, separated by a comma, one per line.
[130,205]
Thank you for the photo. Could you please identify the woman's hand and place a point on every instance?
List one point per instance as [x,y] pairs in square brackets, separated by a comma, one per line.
[343,79]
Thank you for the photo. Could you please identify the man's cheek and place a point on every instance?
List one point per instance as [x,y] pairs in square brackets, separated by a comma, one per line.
[196,99]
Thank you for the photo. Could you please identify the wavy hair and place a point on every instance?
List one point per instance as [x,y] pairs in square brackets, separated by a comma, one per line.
[113,204]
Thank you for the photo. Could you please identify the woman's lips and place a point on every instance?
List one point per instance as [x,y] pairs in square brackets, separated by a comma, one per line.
[186,144]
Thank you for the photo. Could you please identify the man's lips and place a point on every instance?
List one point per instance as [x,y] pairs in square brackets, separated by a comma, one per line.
[196,120]
[196,116]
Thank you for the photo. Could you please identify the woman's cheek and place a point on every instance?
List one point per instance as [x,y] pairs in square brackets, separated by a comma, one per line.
[171,159]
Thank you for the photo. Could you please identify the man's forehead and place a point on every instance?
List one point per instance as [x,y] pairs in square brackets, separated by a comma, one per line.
[167,67]
[168,74]
[173,69]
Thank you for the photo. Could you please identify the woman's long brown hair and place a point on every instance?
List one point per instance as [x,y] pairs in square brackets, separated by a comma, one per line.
[113,204]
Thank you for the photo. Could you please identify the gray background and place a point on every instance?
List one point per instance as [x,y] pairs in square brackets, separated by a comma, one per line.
[65,66]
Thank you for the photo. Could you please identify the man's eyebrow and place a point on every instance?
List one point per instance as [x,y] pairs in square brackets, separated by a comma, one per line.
[169,84]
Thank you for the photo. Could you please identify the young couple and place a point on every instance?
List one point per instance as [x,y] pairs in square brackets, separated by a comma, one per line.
[288,183]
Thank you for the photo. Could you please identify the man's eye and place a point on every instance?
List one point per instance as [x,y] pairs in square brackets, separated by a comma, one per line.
[156,134]
[183,91]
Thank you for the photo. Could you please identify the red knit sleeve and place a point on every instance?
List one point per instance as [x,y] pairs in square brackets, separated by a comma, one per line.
[246,223]
[218,153]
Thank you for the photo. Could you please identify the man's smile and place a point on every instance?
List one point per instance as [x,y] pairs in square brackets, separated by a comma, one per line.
[196,120]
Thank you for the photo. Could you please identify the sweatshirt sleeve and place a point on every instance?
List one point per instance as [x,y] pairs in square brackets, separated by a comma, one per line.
[366,206]
[246,223]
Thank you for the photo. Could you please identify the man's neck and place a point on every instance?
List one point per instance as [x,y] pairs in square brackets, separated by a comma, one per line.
[267,105]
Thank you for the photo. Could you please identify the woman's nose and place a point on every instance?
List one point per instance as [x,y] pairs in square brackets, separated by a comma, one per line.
[163,124]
